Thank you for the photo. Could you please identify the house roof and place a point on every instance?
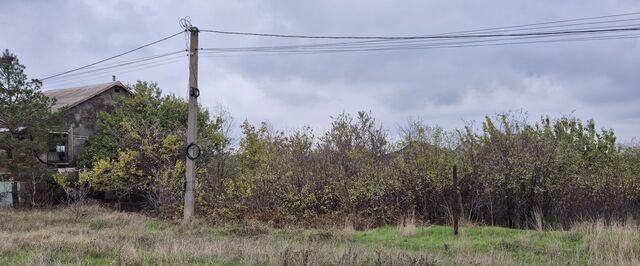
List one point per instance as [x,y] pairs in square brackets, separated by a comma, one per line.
[77,95]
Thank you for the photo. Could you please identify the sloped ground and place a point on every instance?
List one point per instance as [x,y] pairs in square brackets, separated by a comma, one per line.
[97,236]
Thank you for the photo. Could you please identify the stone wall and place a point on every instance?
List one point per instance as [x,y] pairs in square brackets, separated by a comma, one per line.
[83,119]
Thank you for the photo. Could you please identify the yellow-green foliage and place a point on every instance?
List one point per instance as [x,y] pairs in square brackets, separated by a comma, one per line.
[139,148]
[63,180]
[119,174]
[511,171]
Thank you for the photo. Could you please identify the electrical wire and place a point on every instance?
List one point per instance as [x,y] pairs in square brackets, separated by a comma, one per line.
[446,35]
[185,24]
[77,80]
[599,28]
[112,70]
[112,57]
[359,47]
[560,28]
[516,28]
[460,44]
[527,26]
[116,64]
[433,36]
[410,46]
[370,43]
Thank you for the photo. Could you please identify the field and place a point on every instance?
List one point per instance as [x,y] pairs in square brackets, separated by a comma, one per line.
[97,236]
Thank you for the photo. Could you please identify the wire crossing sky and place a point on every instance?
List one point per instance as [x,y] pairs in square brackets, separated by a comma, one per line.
[487,37]
[300,63]
[553,33]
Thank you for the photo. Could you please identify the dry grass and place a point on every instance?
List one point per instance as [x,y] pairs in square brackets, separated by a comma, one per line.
[99,236]
[614,244]
[538,220]
[407,226]
[95,236]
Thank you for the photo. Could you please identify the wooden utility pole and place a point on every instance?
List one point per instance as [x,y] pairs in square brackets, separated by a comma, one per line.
[192,128]
[456,201]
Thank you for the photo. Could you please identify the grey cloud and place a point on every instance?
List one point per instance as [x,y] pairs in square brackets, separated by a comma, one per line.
[444,86]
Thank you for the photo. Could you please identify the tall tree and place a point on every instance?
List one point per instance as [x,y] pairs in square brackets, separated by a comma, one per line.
[25,120]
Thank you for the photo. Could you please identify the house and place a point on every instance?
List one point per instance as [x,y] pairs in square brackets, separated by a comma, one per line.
[83,103]
[66,146]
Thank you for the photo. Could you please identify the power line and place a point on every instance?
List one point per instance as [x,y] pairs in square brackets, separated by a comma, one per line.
[457,44]
[525,26]
[501,28]
[567,24]
[111,69]
[554,31]
[559,24]
[77,79]
[116,65]
[112,57]
[425,36]
[396,45]
[430,36]
[368,45]
[115,70]
[379,42]
[119,62]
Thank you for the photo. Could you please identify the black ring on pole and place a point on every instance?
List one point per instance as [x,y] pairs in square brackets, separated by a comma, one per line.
[195,92]
[191,146]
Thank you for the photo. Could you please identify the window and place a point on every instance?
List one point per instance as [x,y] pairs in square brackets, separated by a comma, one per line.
[57,152]
[61,147]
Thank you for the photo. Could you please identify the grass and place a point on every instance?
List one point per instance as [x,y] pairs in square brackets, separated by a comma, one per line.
[96,236]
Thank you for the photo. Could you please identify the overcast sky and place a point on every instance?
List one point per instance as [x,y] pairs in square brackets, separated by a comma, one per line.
[445,87]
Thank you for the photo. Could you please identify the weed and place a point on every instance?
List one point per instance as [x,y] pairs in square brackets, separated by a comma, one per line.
[102,237]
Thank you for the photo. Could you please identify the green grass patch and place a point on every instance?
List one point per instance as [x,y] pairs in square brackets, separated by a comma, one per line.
[526,246]
[212,261]
[425,238]
[15,257]
[100,259]
[155,226]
